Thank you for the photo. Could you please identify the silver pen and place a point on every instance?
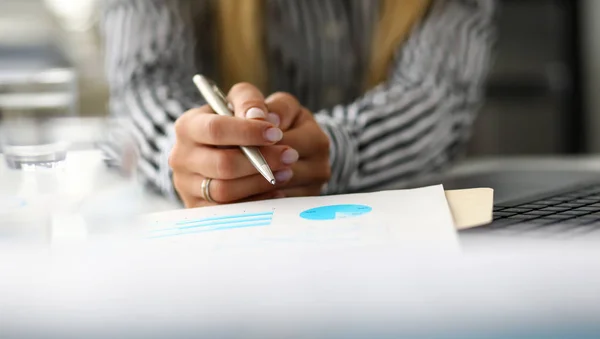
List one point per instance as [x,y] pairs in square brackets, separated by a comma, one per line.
[218,102]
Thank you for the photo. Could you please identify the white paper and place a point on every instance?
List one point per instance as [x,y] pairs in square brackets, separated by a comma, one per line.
[410,219]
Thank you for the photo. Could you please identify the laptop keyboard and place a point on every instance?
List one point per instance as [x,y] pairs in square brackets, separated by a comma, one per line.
[575,212]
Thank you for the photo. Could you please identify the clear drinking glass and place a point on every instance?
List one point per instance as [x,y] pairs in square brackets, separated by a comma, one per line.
[82,196]
[30,100]
[26,145]
[32,96]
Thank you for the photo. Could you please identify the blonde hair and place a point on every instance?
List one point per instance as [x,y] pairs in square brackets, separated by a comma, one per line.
[242,52]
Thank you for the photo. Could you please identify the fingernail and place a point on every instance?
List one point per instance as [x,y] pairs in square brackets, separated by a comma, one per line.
[255,113]
[283,175]
[273,134]
[290,156]
[279,195]
[274,119]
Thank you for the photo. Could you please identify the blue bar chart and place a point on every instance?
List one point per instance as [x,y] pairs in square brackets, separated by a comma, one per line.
[212,224]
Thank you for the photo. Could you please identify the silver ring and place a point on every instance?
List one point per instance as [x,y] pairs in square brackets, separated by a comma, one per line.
[206,189]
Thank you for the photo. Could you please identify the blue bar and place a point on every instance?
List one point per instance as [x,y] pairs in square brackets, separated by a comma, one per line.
[213,223]
[236,216]
[212,229]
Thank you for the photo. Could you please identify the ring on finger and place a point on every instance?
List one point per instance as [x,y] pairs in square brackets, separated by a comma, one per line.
[205,188]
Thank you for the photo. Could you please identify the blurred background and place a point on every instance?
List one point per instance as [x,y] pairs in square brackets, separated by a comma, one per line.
[545,76]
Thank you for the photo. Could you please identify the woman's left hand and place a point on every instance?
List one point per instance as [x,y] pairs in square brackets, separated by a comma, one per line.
[302,133]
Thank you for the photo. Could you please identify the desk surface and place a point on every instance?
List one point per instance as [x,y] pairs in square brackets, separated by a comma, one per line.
[87,169]
[86,172]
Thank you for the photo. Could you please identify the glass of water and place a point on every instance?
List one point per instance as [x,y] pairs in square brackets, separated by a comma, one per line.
[28,145]
[30,100]
[69,193]
[33,96]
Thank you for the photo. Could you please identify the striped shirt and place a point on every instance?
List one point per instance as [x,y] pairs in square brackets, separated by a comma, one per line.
[413,124]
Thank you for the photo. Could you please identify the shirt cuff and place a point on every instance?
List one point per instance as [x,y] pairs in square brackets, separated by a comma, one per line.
[342,154]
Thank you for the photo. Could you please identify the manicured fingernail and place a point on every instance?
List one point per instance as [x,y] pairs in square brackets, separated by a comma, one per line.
[290,156]
[273,134]
[255,113]
[283,175]
[274,119]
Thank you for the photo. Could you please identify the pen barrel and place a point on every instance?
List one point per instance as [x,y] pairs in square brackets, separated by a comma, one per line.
[213,97]
[258,161]
[217,101]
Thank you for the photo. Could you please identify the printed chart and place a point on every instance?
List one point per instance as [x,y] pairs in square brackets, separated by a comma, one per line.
[333,212]
[258,219]
[212,224]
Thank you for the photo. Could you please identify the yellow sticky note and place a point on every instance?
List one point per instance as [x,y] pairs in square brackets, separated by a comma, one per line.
[471,207]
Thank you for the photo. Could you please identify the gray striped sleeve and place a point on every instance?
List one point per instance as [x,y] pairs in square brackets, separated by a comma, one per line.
[151,48]
[418,121]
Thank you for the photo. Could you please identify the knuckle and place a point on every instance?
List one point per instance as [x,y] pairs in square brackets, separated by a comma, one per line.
[224,165]
[323,143]
[241,86]
[175,159]
[172,161]
[213,128]
[176,181]
[179,125]
[180,185]
[219,192]
[285,101]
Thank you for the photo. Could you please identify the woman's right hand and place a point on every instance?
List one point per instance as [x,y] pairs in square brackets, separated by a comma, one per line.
[201,151]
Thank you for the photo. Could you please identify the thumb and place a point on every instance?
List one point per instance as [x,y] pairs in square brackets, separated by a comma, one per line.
[286,107]
[247,101]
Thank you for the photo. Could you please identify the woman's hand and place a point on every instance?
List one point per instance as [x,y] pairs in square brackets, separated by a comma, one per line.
[302,133]
[201,151]
[297,157]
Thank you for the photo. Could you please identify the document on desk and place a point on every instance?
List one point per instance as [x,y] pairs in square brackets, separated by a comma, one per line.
[412,219]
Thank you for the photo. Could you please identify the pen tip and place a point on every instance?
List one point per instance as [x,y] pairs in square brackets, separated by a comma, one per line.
[272,181]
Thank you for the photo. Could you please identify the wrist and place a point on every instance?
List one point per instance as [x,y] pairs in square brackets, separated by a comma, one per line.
[342,155]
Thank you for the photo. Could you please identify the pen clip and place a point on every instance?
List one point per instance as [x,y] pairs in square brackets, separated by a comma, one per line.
[220,94]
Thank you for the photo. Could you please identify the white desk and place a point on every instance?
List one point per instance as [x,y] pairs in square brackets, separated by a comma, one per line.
[129,293]
[85,180]
[87,171]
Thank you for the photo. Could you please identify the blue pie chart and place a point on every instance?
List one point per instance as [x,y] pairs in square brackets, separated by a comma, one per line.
[333,212]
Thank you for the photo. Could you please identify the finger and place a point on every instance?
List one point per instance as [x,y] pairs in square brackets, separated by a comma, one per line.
[184,130]
[181,183]
[303,191]
[308,139]
[231,163]
[308,172]
[285,108]
[264,196]
[217,130]
[248,102]
[228,191]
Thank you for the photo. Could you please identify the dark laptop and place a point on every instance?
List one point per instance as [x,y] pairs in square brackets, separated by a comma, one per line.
[549,204]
